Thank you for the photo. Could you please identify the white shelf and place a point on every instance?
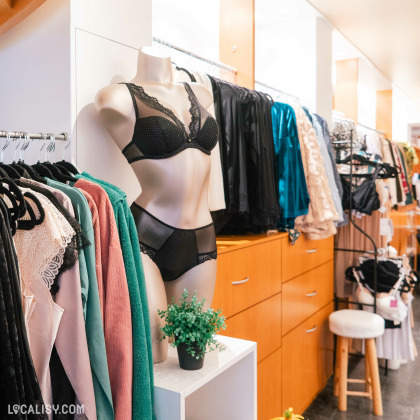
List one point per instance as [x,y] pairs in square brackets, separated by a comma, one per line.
[225,388]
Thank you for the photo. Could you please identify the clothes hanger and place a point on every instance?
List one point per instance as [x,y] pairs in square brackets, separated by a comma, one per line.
[63,164]
[33,221]
[385,170]
[21,163]
[15,196]
[54,169]
[10,171]
[39,167]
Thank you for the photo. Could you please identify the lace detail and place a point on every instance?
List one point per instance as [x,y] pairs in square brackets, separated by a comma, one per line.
[154,103]
[195,122]
[207,257]
[41,250]
[147,250]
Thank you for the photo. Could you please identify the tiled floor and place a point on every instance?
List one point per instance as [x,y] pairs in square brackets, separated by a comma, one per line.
[400,391]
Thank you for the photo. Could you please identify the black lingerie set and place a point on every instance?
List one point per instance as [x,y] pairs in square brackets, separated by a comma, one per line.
[159,134]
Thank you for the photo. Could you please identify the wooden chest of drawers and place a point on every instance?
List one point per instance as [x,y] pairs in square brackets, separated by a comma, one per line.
[280,296]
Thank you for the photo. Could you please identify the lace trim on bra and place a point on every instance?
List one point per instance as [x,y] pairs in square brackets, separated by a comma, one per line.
[195,122]
[154,103]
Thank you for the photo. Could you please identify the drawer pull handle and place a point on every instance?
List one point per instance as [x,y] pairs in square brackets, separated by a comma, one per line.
[311,330]
[311,251]
[311,294]
[240,281]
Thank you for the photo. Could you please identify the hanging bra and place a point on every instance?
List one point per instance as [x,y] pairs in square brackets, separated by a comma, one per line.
[365,198]
[158,132]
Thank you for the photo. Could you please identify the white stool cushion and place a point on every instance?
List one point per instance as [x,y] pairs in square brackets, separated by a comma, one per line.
[353,323]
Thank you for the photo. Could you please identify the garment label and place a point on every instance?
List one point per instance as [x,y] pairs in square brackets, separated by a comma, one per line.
[386,228]
[393,303]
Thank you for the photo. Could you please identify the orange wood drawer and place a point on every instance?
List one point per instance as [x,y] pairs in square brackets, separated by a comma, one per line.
[269,387]
[307,360]
[305,295]
[247,276]
[260,323]
[304,255]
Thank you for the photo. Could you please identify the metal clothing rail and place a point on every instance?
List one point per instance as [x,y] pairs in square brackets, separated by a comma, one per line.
[371,129]
[198,57]
[33,136]
[375,248]
[281,92]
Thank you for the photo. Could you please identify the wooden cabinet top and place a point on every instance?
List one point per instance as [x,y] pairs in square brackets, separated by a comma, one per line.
[234,242]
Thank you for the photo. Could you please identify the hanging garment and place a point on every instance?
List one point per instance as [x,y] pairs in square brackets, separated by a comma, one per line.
[91,306]
[401,176]
[364,197]
[294,198]
[390,182]
[328,165]
[319,222]
[232,146]
[40,253]
[114,299]
[407,186]
[18,381]
[69,365]
[326,133]
[143,398]
[248,160]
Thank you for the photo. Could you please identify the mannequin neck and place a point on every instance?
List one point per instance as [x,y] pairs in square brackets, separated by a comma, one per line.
[153,67]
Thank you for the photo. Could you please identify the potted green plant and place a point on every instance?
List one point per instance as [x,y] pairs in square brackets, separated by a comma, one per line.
[193,329]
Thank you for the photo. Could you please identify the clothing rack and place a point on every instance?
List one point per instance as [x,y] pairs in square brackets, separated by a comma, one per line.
[362,251]
[273,89]
[33,136]
[371,129]
[193,55]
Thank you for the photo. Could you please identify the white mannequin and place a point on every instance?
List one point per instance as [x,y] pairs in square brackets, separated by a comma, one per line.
[175,189]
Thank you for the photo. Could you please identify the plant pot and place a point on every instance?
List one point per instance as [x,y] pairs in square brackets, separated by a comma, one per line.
[188,362]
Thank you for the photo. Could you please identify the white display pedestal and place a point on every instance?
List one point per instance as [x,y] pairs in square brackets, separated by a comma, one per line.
[224,389]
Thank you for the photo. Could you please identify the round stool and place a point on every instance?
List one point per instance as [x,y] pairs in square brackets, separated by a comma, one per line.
[348,324]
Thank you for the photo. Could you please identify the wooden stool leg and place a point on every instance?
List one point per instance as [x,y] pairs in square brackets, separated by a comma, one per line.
[374,374]
[342,381]
[337,365]
[368,386]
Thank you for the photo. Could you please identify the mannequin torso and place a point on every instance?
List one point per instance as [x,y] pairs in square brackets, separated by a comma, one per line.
[167,188]
[174,189]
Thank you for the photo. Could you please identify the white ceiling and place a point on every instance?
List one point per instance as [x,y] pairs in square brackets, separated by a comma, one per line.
[385,31]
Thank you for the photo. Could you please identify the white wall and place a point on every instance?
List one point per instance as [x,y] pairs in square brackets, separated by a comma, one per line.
[404,112]
[285,47]
[323,84]
[52,65]
[371,80]
[293,51]
[35,75]
[105,51]
[189,24]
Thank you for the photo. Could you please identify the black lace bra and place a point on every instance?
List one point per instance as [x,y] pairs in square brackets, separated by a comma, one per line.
[158,132]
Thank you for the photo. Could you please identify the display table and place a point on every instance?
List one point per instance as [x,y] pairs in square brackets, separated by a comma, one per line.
[224,389]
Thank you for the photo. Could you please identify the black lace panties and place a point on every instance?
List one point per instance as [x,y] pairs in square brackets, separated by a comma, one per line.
[173,250]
